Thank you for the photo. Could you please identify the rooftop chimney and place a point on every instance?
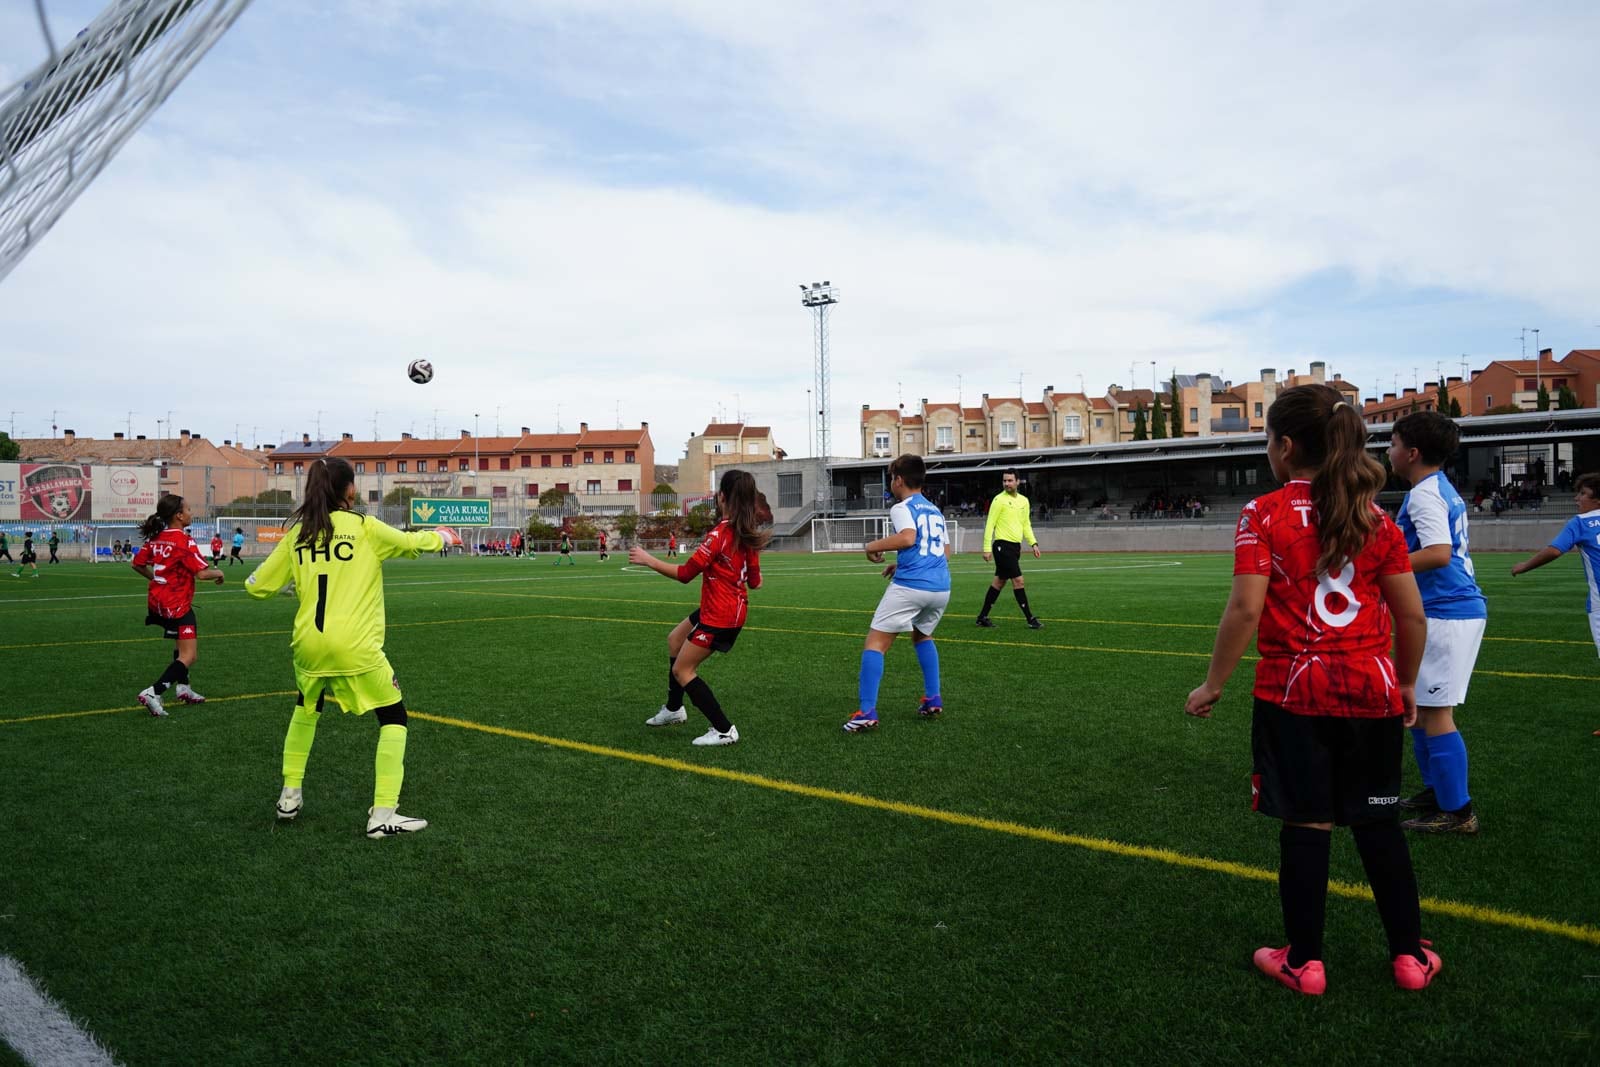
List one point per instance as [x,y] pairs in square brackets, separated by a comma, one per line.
[526,431]
[67,437]
[1319,372]
[405,436]
[583,427]
[866,407]
[139,438]
[644,426]
[1388,396]
[1547,353]
[347,437]
[1408,391]
[226,441]
[305,439]
[1452,378]
[465,435]
[268,447]
[117,436]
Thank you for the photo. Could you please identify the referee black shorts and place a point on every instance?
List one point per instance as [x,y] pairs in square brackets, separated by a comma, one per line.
[1008,559]
[1322,768]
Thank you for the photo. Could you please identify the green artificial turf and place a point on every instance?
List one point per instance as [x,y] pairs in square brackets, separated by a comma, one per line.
[576,906]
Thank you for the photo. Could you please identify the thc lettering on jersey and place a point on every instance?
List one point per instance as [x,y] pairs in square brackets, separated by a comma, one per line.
[343,549]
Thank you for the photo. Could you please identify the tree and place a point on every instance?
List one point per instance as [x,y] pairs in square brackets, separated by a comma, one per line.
[1455,408]
[663,489]
[1158,420]
[281,497]
[399,495]
[553,498]
[657,526]
[628,525]
[9,449]
[1139,433]
[701,518]
[539,530]
[1543,403]
[1442,404]
[1566,399]
[1176,397]
[1504,409]
[583,529]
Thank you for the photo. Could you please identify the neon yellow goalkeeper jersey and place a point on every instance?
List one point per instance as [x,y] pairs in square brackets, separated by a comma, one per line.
[1008,521]
[339,627]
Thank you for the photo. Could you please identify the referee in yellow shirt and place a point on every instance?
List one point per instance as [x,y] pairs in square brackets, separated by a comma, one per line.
[1003,534]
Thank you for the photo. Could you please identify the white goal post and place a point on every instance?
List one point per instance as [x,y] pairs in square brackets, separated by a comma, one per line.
[854,534]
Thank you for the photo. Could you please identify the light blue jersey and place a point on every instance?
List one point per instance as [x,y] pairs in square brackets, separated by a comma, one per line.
[923,565]
[1435,514]
[1583,533]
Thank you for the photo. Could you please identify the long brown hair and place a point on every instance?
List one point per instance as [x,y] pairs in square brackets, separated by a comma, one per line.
[1330,436]
[168,506]
[326,482]
[742,507]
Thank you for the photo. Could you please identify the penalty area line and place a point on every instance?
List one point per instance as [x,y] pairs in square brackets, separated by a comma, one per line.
[118,711]
[1589,935]
[38,1028]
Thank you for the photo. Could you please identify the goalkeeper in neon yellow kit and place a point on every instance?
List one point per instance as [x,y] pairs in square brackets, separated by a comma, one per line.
[334,558]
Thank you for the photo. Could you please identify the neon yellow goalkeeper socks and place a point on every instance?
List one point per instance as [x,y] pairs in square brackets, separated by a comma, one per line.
[297,746]
[389,767]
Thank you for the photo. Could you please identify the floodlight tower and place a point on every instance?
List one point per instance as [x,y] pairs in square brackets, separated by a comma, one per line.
[817,298]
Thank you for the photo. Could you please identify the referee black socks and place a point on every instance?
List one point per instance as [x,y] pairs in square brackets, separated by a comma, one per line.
[1022,602]
[988,601]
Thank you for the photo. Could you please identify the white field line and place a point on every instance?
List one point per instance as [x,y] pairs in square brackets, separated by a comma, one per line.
[37,1027]
[866,569]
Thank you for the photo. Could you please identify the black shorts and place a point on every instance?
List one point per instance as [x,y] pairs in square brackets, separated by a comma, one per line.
[30,557]
[236,550]
[716,638]
[184,626]
[1319,768]
[1007,559]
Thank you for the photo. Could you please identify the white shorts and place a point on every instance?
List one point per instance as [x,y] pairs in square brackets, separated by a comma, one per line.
[1447,661]
[903,609]
[1594,628]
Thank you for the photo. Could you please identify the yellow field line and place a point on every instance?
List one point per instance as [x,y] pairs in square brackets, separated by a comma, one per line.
[1473,912]
[116,711]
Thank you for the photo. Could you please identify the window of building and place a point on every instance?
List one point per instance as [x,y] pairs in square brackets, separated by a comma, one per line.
[422,466]
[483,463]
[465,465]
[624,485]
[1258,409]
[1222,477]
[566,460]
[1250,476]
[752,448]
[593,486]
[588,457]
[1129,416]
[400,466]
[505,463]
[609,457]
[498,492]
[1008,431]
[361,468]
[1488,401]
[374,497]
[1072,426]
[719,447]
[379,466]
[880,440]
[564,487]
[1194,415]
[277,468]
[789,488]
[627,457]
[544,461]
[298,467]
[468,490]
[972,431]
[943,435]
[1529,385]
[533,489]
[527,460]
[1033,427]
[1099,423]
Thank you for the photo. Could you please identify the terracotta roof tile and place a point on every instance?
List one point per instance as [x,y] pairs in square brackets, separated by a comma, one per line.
[723,429]
[912,420]
[1037,408]
[612,438]
[972,413]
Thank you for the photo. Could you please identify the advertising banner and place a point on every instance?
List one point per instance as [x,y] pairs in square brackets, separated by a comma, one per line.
[449,511]
[10,479]
[56,492]
[125,494]
[270,535]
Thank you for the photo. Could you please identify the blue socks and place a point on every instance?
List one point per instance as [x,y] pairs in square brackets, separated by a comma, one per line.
[928,657]
[1419,749]
[871,678]
[1447,764]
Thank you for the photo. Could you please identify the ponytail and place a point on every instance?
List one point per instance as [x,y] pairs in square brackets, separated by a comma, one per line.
[326,483]
[1330,436]
[745,509]
[168,506]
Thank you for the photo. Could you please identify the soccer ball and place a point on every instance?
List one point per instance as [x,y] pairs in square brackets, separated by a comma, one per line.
[420,371]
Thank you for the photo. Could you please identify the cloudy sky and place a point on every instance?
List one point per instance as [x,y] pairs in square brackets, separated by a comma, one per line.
[597,210]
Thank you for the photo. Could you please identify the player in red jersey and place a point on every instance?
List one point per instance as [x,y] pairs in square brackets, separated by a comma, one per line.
[729,563]
[172,563]
[1318,571]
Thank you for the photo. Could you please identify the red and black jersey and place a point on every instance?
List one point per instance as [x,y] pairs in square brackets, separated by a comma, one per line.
[727,569]
[1324,638]
[174,559]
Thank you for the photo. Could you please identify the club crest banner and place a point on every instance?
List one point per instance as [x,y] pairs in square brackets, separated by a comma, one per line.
[56,492]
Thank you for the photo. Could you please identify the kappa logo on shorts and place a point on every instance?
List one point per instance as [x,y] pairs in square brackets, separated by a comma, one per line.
[185,632]
[1381,801]
[701,638]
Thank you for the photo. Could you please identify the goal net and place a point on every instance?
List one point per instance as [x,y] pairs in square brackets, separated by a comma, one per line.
[854,534]
[65,120]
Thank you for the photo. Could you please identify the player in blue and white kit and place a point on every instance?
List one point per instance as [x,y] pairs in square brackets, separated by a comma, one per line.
[1582,532]
[1434,520]
[918,593]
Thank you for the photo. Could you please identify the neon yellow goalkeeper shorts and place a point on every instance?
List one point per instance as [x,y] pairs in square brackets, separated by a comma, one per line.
[356,693]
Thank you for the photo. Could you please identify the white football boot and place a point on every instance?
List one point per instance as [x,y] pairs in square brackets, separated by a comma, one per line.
[667,717]
[714,737]
[383,822]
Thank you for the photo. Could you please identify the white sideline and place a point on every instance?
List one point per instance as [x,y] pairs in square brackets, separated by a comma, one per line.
[36,1027]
